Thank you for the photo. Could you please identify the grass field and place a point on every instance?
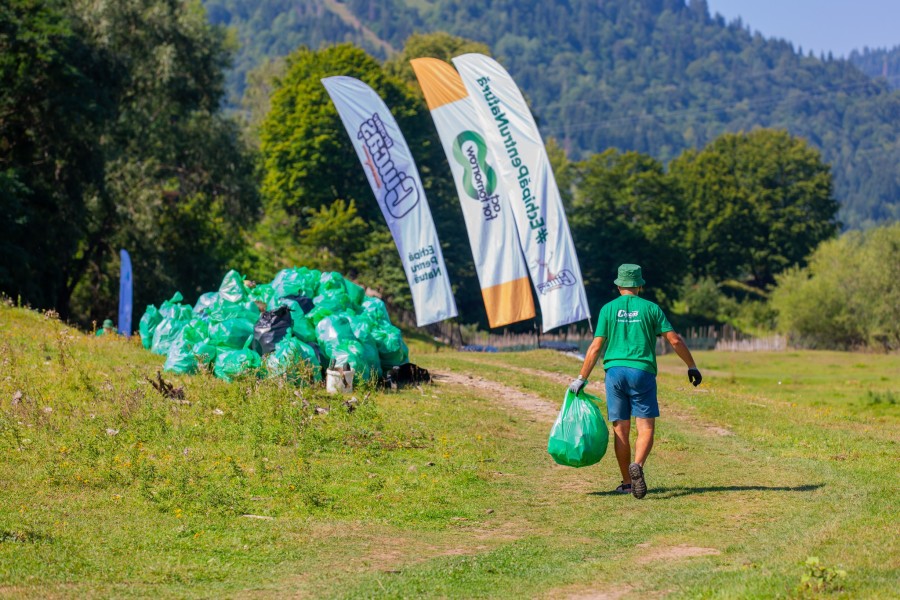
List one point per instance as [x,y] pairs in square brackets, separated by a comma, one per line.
[259,489]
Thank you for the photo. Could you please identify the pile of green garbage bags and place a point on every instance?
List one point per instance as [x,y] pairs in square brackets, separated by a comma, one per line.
[301,322]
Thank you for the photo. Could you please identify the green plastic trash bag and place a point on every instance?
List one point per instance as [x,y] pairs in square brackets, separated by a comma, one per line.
[174,309]
[392,350]
[232,288]
[303,329]
[579,436]
[204,302]
[375,309]
[318,313]
[205,352]
[165,334]
[195,331]
[231,333]
[370,353]
[335,300]
[222,309]
[287,282]
[294,359]
[331,281]
[231,364]
[355,292]
[165,309]
[263,293]
[180,357]
[148,324]
[362,327]
[332,330]
[302,281]
[353,353]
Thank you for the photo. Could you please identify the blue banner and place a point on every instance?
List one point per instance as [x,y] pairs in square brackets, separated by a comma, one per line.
[125,294]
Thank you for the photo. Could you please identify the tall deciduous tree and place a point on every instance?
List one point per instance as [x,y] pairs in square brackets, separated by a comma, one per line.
[756,203]
[57,93]
[112,138]
[626,210]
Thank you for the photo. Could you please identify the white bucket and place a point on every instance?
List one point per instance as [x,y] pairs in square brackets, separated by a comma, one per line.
[338,382]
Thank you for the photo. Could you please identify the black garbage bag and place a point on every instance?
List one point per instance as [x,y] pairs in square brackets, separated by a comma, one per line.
[272,326]
[403,375]
[306,303]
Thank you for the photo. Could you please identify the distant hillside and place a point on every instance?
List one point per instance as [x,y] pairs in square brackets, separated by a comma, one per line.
[655,76]
[879,63]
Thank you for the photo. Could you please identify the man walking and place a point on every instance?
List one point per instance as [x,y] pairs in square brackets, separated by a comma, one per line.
[631,325]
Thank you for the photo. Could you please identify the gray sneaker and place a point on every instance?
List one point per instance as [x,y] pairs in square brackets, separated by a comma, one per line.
[638,485]
[624,488]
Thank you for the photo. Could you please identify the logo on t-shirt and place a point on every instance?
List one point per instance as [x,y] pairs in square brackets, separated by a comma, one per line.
[624,316]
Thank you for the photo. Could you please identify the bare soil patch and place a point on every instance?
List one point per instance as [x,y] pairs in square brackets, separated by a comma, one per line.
[514,398]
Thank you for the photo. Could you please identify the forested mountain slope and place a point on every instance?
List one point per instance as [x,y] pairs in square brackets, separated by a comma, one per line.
[655,76]
[879,63]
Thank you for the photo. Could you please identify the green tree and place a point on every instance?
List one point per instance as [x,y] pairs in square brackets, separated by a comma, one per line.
[180,184]
[309,161]
[653,76]
[755,204]
[848,296]
[439,44]
[56,95]
[626,210]
[111,137]
[257,97]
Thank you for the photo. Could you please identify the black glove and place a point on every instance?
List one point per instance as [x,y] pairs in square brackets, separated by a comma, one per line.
[577,385]
[694,376]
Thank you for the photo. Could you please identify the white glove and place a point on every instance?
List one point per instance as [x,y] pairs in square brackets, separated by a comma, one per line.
[577,385]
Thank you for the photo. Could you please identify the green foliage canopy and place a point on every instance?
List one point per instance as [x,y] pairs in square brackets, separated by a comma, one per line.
[755,204]
[848,296]
[626,210]
[120,144]
[309,163]
[653,76]
[57,93]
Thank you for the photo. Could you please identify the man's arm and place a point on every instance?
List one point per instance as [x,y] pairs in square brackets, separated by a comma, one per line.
[590,359]
[684,354]
[591,356]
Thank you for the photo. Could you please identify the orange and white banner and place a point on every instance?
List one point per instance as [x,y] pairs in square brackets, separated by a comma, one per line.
[501,269]
[523,166]
[394,179]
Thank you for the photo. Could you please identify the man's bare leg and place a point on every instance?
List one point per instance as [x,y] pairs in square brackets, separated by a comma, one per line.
[645,429]
[621,431]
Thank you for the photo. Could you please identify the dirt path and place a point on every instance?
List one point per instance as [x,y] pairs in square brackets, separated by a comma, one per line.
[511,397]
[547,411]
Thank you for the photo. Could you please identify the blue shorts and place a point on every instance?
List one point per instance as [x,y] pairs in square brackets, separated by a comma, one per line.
[630,393]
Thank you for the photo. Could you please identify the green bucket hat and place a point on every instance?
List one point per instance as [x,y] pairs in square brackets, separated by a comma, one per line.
[629,276]
[108,324]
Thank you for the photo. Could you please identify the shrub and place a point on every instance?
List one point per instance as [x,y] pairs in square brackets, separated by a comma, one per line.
[848,296]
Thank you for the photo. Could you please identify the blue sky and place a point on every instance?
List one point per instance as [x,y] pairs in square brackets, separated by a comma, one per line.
[819,25]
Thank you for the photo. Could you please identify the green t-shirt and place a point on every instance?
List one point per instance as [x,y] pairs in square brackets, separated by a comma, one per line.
[630,325]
